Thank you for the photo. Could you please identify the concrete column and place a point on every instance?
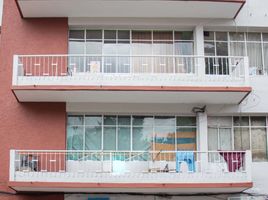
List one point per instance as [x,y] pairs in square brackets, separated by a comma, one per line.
[202,131]
[12,158]
[199,49]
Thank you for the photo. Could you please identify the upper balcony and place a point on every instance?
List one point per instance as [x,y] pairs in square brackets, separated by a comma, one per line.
[131,79]
[167,172]
[226,9]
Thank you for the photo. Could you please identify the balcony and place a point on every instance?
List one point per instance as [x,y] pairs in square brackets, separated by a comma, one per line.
[176,172]
[130,79]
[226,9]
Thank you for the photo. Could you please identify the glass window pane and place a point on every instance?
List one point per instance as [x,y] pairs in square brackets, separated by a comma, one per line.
[265,56]
[222,48]
[77,34]
[184,48]
[75,120]
[109,138]
[141,35]
[124,138]
[93,47]
[123,35]
[123,49]
[209,49]
[75,137]
[237,36]
[258,121]
[184,35]
[253,36]
[259,144]
[109,120]
[225,139]
[265,37]
[164,138]
[93,120]
[255,58]
[221,36]
[142,138]
[109,48]
[109,36]
[208,35]
[164,121]
[212,139]
[124,120]
[224,122]
[241,139]
[141,48]
[163,48]
[143,121]
[186,139]
[237,49]
[241,121]
[93,138]
[186,121]
[94,34]
[163,35]
[76,47]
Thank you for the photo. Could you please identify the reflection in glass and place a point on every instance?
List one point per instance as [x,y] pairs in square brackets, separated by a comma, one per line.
[75,138]
[142,138]
[124,137]
[93,120]
[75,120]
[93,138]
[109,138]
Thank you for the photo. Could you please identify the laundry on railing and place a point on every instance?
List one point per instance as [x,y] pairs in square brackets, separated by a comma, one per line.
[187,157]
[234,160]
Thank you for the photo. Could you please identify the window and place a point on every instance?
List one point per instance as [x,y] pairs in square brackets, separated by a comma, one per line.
[126,133]
[219,133]
[251,133]
[253,45]
[216,44]
[240,134]
[186,133]
[117,46]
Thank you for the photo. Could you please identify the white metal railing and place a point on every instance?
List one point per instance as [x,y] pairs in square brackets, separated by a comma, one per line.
[71,65]
[39,163]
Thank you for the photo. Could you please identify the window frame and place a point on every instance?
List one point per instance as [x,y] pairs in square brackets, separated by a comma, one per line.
[131,126]
[264,65]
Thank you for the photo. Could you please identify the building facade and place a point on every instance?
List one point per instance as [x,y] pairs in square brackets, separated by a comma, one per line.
[134,99]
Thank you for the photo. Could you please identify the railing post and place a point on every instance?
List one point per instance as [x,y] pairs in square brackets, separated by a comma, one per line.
[248,166]
[12,157]
[246,70]
[15,69]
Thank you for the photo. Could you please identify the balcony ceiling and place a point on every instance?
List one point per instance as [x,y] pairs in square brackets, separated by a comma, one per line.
[225,9]
[110,94]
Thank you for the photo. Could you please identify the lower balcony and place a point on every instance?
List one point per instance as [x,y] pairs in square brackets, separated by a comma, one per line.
[167,172]
[130,79]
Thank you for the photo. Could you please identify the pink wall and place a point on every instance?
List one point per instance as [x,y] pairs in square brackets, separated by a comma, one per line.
[28,125]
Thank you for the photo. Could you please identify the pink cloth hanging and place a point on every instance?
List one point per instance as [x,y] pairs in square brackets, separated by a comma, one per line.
[234,160]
